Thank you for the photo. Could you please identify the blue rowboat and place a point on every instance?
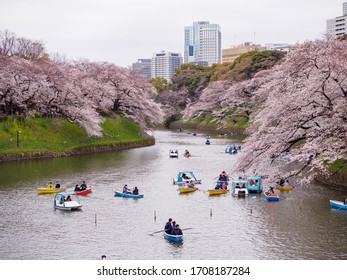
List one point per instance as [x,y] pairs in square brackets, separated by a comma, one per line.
[173,238]
[271,198]
[127,195]
[338,204]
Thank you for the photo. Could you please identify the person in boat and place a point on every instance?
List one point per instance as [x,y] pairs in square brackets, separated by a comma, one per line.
[77,188]
[226,176]
[190,184]
[50,185]
[251,182]
[345,202]
[223,177]
[281,182]
[135,191]
[168,226]
[176,230]
[186,153]
[237,186]
[173,224]
[185,176]
[57,185]
[68,198]
[243,186]
[256,183]
[83,186]
[271,192]
[125,189]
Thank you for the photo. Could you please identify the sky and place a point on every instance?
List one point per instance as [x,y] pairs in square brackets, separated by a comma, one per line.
[122,31]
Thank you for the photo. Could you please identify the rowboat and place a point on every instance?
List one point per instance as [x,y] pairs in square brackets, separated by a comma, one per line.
[48,190]
[338,204]
[84,192]
[187,190]
[173,238]
[66,201]
[217,192]
[284,188]
[127,195]
[184,177]
[271,198]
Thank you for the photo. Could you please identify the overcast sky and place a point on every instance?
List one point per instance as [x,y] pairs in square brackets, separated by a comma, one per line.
[121,31]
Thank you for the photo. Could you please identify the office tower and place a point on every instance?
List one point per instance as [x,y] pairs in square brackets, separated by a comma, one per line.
[202,43]
[164,64]
[338,26]
[143,66]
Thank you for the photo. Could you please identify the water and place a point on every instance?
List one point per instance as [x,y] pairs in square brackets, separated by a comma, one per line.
[300,226]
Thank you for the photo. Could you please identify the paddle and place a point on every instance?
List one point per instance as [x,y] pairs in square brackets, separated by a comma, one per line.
[164,230]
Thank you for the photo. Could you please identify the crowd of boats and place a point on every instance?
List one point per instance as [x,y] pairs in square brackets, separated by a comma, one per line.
[186,181]
[69,200]
[239,187]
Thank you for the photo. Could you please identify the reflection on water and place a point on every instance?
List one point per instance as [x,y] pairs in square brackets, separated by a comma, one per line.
[300,226]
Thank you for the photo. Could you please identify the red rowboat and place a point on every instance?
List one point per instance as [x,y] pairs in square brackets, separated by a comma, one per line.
[84,192]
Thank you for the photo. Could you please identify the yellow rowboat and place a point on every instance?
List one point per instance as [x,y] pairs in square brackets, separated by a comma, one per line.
[217,192]
[187,190]
[47,190]
[286,188]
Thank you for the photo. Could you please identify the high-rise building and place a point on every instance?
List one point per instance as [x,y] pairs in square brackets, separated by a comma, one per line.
[203,43]
[143,66]
[338,26]
[164,64]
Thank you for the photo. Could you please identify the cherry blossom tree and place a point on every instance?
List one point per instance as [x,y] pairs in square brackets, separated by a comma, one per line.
[48,88]
[79,91]
[221,97]
[120,90]
[303,107]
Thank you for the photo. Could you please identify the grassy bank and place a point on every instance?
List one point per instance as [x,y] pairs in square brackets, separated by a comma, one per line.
[232,123]
[46,137]
[338,174]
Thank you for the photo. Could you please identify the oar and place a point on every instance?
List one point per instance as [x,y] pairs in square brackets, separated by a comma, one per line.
[156,232]
[164,230]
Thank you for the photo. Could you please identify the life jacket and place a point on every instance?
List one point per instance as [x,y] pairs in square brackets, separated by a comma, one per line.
[49,186]
[224,186]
